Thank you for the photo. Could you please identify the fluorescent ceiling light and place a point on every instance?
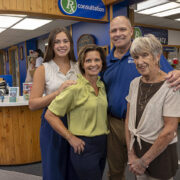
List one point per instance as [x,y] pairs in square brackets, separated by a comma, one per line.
[150,3]
[177,19]
[30,24]
[160,8]
[2,29]
[14,15]
[167,13]
[6,21]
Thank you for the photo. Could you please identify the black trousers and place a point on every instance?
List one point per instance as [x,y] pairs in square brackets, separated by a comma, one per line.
[90,164]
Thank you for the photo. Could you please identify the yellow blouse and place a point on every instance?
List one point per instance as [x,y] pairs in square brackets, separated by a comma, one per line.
[87,113]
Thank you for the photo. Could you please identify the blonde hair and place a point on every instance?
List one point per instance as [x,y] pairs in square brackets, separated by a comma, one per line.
[149,43]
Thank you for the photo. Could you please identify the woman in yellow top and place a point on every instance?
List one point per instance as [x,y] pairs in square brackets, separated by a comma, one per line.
[86,106]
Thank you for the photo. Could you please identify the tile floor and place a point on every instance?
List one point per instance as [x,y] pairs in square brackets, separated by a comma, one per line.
[34,171]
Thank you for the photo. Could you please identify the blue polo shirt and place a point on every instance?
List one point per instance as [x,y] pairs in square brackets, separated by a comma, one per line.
[117,79]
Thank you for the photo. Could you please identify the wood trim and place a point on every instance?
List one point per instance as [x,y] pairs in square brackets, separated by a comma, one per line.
[51,16]
[70,30]
[157,27]
[110,2]
[111,17]
[10,66]
[110,12]
[25,45]
[10,63]
[2,53]
[41,8]
[131,16]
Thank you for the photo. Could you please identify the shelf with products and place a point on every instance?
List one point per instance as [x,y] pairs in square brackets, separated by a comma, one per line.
[172,54]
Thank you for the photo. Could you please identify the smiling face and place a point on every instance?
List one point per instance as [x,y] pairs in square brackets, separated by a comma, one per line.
[121,32]
[146,64]
[61,45]
[92,63]
[35,54]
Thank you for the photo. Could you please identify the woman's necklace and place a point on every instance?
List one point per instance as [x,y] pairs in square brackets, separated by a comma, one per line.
[143,96]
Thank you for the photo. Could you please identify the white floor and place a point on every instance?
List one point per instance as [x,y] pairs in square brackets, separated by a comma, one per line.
[11,175]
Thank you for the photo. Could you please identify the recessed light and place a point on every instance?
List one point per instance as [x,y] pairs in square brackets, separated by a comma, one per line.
[30,24]
[160,8]
[6,21]
[14,15]
[149,4]
[167,13]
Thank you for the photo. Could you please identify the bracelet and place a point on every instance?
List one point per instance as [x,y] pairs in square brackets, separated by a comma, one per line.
[143,164]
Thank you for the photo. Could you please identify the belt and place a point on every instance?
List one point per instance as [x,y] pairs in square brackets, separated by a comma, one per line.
[121,119]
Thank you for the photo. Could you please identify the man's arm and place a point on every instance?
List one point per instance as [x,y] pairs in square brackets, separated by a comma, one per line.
[173,76]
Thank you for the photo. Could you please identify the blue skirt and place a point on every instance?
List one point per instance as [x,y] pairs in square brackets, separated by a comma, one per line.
[55,153]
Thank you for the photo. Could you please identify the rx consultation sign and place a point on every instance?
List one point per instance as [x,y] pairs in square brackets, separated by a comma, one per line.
[94,9]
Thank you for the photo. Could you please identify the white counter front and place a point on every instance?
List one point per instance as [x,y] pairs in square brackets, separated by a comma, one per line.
[20,102]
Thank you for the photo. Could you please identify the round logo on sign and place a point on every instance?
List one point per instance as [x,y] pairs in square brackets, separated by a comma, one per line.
[137,32]
[69,6]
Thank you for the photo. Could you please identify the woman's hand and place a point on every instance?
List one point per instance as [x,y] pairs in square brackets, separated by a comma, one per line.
[76,143]
[173,79]
[138,166]
[65,85]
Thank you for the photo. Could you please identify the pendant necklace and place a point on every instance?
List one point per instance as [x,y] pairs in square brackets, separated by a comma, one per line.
[143,97]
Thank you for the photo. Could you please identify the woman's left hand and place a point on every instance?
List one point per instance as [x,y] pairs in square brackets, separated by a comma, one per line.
[173,79]
[137,167]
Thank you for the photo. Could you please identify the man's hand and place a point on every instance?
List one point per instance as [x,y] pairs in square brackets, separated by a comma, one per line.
[173,79]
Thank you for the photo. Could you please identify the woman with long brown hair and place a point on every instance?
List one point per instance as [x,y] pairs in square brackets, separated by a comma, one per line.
[58,71]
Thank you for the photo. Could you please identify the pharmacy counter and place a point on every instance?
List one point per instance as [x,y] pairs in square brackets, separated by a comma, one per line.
[19,133]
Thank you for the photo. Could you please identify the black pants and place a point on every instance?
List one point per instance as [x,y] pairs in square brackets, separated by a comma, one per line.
[90,164]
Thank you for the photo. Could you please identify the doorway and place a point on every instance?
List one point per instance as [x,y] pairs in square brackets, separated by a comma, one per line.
[2,63]
[14,66]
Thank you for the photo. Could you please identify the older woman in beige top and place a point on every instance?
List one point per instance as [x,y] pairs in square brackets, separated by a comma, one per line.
[152,115]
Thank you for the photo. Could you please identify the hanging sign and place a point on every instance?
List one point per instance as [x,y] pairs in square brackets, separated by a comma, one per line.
[161,34]
[169,49]
[94,9]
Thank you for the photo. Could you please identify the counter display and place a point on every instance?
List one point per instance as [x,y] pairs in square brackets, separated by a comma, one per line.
[19,133]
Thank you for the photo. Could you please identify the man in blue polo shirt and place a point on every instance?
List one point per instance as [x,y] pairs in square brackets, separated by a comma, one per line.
[120,71]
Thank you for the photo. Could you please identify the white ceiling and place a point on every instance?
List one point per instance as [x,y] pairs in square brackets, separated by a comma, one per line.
[157,21]
[11,37]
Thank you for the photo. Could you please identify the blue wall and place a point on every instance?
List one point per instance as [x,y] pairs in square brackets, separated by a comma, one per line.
[120,9]
[99,31]
[31,45]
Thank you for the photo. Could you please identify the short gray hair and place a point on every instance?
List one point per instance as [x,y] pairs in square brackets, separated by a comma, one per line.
[148,43]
